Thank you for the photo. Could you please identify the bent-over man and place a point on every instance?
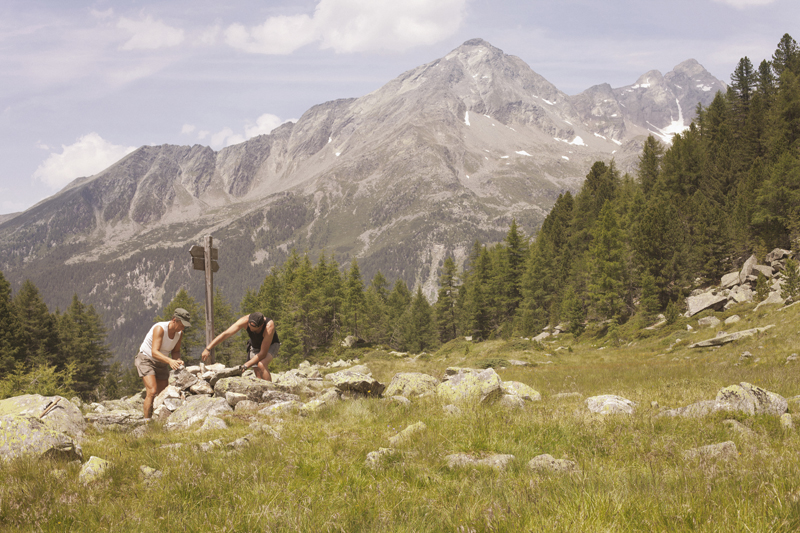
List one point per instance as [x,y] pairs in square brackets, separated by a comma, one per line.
[153,364]
[262,347]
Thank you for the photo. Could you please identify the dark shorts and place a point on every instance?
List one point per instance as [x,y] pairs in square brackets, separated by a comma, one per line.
[147,366]
[273,351]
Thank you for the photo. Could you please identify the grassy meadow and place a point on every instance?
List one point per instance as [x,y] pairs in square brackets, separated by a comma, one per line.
[633,474]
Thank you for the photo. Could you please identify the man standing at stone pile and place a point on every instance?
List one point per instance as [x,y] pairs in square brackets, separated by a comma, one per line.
[152,363]
[262,347]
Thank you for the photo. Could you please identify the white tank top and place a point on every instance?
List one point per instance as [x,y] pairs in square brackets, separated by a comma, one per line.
[167,344]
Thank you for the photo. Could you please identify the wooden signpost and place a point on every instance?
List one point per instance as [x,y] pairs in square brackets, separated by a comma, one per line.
[205,258]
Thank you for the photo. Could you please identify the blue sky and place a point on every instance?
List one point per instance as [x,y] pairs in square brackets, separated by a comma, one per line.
[84,83]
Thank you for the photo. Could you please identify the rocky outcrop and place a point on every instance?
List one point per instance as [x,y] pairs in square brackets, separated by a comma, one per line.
[60,414]
[609,404]
[411,385]
[22,435]
[462,385]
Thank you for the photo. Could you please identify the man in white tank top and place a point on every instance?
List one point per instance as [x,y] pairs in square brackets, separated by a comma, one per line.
[152,361]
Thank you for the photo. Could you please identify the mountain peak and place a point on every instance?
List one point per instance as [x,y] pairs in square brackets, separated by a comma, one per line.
[690,67]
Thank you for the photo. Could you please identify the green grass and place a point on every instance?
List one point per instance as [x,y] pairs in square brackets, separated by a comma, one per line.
[633,475]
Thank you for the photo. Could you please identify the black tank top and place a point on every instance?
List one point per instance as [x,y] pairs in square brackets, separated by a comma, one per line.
[257,338]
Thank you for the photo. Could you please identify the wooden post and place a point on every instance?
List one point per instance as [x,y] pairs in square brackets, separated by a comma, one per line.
[209,294]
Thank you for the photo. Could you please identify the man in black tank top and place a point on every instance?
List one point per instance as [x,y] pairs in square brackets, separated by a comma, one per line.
[262,347]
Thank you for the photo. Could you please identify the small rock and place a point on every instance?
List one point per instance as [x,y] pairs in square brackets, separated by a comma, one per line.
[724,451]
[549,463]
[732,320]
[496,461]
[406,435]
[374,459]
[94,469]
[786,421]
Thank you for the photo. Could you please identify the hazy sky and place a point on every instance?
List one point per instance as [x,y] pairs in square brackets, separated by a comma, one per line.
[82,83]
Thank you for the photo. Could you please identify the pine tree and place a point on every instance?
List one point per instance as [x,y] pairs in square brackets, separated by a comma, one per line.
[572,310]
[39,331]
[445,308]
[786,57]
[193,337]
[11,347]
[418,324]
[743,80]
[649,304]
[791,284]
[83,341]
[778,202]
[515,250]
[354,301]
[607,267]
[765,80]
[650,163]
[398,302]
[376,313]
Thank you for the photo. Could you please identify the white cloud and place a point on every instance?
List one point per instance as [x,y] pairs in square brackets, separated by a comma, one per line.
[353,26]
[149,34]
[227,137]
[187,128]
[87,156]
[278,35]
[741,4]
[264,124]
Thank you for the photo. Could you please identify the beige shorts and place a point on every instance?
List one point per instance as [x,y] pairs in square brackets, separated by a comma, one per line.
[273,351]
[147,366]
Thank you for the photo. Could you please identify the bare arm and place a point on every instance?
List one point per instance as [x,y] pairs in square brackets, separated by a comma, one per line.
[158,337]
[236,327]
[269,332]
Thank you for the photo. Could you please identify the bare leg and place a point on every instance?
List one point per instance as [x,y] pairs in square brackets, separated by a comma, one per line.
[154,387]
[262,368]
[151,386]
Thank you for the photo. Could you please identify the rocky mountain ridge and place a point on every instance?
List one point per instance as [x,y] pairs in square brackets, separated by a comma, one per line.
[444,154]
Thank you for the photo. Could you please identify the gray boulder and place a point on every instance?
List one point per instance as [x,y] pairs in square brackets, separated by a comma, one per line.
[223,373]
[742,294]
[730,280]
[411,384]
[195,410]
[548,463]
[213,422]
[707,300]
[520,390]
[182,379]
[22,435]
[747,268]
[723,451]
[725,338]
[65,417]
[470,385]
[709,322]
[496,461]
[201,387]
[349,381]
[375,459]
[253,388]
[406,435]
[93,470]
[608,404]
[777,254]
[291,383]
[127,419]
[276,396]
[750,399]
[774,298]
